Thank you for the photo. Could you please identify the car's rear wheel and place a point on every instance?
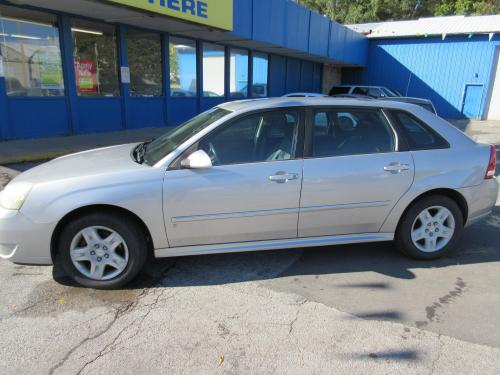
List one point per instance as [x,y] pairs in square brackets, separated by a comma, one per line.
[431,228]
[103,250]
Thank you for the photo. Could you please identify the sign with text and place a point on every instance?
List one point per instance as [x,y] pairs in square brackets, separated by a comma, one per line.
[86,76]
[216,13]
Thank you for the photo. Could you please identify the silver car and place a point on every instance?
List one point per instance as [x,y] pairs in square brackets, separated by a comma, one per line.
[253,175]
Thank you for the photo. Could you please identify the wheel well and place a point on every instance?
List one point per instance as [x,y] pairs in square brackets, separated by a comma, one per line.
[450,193]
[92,209]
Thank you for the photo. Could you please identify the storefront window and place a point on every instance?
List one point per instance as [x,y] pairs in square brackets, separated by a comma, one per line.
[239,73]
[95,58]
[29,42]
[182,53]
[260,74]
[213,70]
[145,62]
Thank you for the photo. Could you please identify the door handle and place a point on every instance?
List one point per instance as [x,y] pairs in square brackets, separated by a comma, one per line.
[396,167]
[282,177]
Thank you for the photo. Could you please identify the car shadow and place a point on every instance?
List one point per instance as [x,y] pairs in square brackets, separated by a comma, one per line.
[480,244]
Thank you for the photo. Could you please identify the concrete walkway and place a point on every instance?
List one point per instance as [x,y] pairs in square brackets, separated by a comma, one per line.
[48,148]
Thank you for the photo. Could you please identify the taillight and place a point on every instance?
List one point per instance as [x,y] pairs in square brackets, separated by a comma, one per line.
[492,165]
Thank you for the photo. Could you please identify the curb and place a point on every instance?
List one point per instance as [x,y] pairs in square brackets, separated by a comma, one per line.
[30,157]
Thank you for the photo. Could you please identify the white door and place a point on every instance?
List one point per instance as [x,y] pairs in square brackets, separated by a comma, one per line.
[494,103]
[251,193]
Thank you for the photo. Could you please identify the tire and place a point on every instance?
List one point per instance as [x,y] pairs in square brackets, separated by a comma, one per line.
[415,224]
[87,240]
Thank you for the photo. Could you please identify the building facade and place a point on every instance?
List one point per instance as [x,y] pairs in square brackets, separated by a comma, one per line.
[452,61]
[81,66]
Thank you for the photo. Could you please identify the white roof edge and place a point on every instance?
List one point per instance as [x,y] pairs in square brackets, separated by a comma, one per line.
[446,25]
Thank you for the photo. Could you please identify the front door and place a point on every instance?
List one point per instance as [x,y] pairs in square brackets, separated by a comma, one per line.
[251,193]
[473,97]
[354,176]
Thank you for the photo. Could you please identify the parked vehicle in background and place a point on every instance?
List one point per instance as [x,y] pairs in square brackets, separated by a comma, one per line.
[253,175]
[372,91]
[304,95]
[424,103]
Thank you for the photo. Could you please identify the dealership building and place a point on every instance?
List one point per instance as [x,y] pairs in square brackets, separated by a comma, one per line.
[86,66]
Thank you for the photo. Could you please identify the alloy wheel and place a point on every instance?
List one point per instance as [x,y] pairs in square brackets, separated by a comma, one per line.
[433,229]
[99,253]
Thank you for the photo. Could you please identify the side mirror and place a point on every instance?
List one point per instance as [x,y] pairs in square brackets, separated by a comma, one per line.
[197,160]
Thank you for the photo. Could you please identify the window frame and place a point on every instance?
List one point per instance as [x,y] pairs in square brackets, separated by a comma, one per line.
[299,149]
[390,114]
[399,145]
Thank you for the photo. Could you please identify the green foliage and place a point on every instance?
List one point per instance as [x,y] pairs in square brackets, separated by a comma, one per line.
[359,11]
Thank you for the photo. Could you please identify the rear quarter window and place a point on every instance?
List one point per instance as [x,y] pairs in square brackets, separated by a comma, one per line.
[417,134]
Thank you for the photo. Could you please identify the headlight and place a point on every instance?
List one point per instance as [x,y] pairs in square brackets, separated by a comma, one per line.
[14,195]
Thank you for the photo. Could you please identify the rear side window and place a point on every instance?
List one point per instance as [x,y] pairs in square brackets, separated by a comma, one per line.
[351,132]
[339,90]
[418,135]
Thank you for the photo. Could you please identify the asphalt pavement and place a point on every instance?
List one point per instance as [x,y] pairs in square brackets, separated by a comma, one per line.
[345,309]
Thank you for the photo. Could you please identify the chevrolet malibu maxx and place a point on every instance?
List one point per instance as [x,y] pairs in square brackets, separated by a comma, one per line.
[248,176]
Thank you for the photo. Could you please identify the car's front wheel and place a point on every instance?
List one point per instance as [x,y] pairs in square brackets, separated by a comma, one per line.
[103,250]
[431,228]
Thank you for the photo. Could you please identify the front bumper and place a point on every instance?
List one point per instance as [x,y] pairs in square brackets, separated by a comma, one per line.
[24,241]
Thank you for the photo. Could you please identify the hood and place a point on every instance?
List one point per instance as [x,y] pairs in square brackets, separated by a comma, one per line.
[88,163]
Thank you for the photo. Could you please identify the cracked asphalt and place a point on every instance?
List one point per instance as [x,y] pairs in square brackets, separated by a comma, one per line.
[357,309]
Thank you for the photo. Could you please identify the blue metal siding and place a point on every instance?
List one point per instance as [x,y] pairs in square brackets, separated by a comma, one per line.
[269,19]
[297,26]
[319,34]
[277,75]
[430,68]
[292,75]
[243,18]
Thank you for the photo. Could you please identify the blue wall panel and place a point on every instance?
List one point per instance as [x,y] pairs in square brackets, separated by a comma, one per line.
[317,77]
[319,34]
[243,19]
[99,115]
[292,75]
[429,68]
[269,19]
[145,113]
[277,75]
[180,110]
[307,76]
[297,26]
[36,117]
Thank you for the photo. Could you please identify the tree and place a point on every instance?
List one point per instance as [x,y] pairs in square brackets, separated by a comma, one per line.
[359,11]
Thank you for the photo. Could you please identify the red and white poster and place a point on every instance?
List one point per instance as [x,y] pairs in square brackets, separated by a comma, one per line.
[86,76]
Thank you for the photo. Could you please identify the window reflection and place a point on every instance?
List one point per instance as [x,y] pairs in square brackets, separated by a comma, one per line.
[29,42]
[182,53]
[239,73]
[213,70]
[260,74]
[145,62]
[95,58]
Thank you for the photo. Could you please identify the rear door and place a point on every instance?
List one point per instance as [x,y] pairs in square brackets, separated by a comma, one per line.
[354,172]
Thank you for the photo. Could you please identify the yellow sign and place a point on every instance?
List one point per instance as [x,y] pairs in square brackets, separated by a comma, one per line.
[216,13]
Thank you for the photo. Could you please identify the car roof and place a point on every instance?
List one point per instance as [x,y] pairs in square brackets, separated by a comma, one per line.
[269,103]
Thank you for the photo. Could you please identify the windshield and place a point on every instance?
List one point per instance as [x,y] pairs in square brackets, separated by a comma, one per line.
[390,93]
[167,143]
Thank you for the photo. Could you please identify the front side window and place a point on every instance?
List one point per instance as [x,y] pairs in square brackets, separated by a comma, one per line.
[339,90]
[418,135]
[95,58]
[213,70]
[264,137]
[351,132]
[260,70]
[182,54]
[167,143]
[145,63]
[239,73]
[29,43]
